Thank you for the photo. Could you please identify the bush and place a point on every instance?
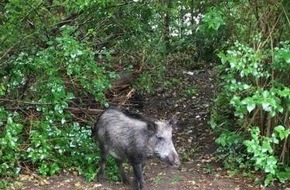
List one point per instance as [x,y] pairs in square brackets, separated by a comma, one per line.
[40,131]
[57,59]
[260,101]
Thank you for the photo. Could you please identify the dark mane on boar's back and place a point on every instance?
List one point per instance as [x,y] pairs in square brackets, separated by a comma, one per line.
[151,125]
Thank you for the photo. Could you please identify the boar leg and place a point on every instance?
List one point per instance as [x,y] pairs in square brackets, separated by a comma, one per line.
[124,177]
[102,163]
[138,177]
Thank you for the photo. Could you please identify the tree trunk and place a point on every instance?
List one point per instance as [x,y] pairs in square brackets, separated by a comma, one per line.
[166,25]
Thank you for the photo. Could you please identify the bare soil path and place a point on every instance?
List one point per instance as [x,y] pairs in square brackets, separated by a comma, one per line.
[190,93]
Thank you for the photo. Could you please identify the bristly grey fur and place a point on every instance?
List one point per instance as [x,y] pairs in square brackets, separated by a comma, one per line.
[151,125]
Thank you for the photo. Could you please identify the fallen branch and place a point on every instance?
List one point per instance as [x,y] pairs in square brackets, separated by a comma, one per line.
[128,96]
[88,111]
[23,102]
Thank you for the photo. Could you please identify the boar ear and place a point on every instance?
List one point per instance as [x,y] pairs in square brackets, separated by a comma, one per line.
[173,120]
[151,125]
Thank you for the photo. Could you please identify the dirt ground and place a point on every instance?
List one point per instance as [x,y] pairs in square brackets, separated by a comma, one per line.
[190,93]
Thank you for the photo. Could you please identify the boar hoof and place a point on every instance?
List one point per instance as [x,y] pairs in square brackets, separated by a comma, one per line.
[125,180]
[101,178]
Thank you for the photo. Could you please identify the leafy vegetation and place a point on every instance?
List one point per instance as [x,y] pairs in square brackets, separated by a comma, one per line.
[255,90]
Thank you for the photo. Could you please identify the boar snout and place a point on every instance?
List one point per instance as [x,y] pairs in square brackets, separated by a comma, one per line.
[174,159]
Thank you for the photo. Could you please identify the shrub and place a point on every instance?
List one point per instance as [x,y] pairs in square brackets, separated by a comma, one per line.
[38,129]
[260,101]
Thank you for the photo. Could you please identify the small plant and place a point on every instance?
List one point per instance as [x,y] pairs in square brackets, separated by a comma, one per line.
[262,150]
[172,83]
[4,184]
[214,19]
[188,155]
[158,179]
[112,170]
[145,83]
[175,179]
[10,150]
[190,91]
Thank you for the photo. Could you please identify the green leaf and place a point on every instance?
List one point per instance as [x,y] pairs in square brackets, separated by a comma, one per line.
[251,107]
[283,176]
[267,107]
[266,146]
[282,132]
[269,179]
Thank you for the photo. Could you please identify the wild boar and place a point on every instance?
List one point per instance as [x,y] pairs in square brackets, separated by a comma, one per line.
[132,137]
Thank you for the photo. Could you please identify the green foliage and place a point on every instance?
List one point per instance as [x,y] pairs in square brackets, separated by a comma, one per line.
[51,147]
[254,94]
[213,19]
[4,184]
[262,151]
[10,151]
[112,169]
[253,103]
[57,60]
[258,98]
[248,93]
[45,71]
[230,149]
[50,141]
[145,82]
[153,67]
[229,140]
[190,91]
[47,148]
[213,33]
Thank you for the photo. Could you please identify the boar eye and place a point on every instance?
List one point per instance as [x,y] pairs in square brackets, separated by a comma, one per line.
[160,138]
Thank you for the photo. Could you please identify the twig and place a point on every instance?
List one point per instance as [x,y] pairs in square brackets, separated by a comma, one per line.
[88,111]
[24,102]
[18,42]
[128,96]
